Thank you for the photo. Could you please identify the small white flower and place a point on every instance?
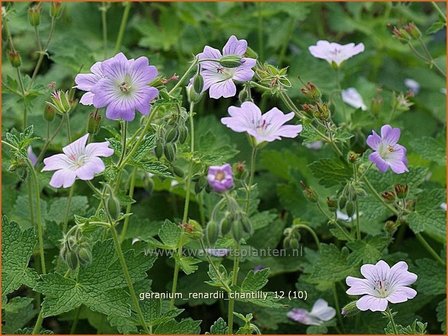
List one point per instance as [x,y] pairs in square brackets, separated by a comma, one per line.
[335,52]
[352,97]
[319,314]
[344,217]
[412,85]
[443,206]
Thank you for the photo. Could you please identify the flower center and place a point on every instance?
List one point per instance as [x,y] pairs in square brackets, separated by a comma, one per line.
[226,72]
[262,125]
[385,150]
[220,175]
[77,161]
[335,51]
[382,288]
[124,87]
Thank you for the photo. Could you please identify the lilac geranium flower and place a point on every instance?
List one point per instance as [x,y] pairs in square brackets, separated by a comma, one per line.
[77,161]
[219,80]
[335,52]
[31,156]
[267,127]
[120,85]
[319,314]
[387,153]
[220,178]
[412,85]
[382,284]
[352,97]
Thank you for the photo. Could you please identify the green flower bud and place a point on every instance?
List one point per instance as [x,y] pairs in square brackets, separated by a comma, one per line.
[34,15]
[226,224]
[342,202]
[171,135]
[93,125]
[170,151]
[193,229]
[388,196]
[250,53]
[352,157]
[198,83]
[311,91]
[237,231]
[212,232]
[183,133]
[158,151]
[350,309]
[294,243]
[192,95]
[332,204]
[350,208]
[84,256]
[230,61]
[178,171]
[287,242]
[14,58]
[309,193]
[71,259]
[49,113]
[55,9]
[113,206]
[246,224]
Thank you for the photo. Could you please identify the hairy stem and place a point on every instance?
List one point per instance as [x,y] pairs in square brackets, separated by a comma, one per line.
[390,315]
[428,247]
[67,209]
[124,21]
[129,206]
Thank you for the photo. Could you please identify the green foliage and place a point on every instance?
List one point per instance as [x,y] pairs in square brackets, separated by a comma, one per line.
[431,277]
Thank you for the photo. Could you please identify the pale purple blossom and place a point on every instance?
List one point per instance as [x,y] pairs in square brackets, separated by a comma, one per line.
[120,85]
[412,85]
[220,178]
[78,160]
[31,156]
[219,80]
[382,284]
[387,152]
[267,127]
[319,314]
[352,97]
[335,52]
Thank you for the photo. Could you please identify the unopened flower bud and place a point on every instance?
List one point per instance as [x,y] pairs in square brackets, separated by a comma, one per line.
[342,202]
[71,259]
[310,91]
[49,113]
[226,223]
[172,134]
[183,134]
[413,30]
[170,151]
[401,190]
[332,204]
[178,171]
[60,101]
[14,58]
[350,309]
[193,229]
[237,231]
[352,157]
[198,83]
[388,196]
[93,125]
[294,243]
[113,206]
[192,95]
[391,226]
[34,15]
[84,255]
[250,53]
[246,224]
[158,150]
[350,209]
[212,232]
[309,193]
[230,61]
[55,9]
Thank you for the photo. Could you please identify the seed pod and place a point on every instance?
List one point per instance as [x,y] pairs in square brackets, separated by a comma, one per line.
[401,190]
[55,8]
[170,152]
[113,206]
[226,225]
[287,242]
[93,125]
[350,208]
[193,229]
[85,256]
[388,196]
[212,232]
[332,204]
[14,58]
[178,171]
[172,135]
[183,133]
[158,151]
[237,231]
[198,83]
[49,113]
[342,202]
[230,61]
[350,309]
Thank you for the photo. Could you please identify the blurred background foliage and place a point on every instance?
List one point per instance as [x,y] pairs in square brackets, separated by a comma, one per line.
[169,34]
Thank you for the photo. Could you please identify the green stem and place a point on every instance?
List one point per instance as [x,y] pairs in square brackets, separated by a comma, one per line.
[75,321]
[338,78]
[346,234]
[25,108]
[392,321]
[38,324]
[129,206]
[123,141]
[430,58]
[187,199]
[337,306]
[251,177]
[124,20]
[127,276]
[428,247]
[358,230]
[69,132]
[182,79]
[49,140]
[310,230]
[210,261]
[67,209]
[103,10]
[236,262]
[378,196]
[439,11]
[260,29]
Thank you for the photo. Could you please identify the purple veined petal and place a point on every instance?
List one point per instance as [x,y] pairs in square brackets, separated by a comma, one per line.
[235,124]
[144,98]
[243,74]
[117,67]
[319,50]
[275,118]
[212,77]
[396,161]
[76,148]
[368,302]
[373,140]
[379,162]
[103,93]
[142,72]
[63,178]
[235,47]
[401,294]
[91,167]
[85,81]
[400,276]
[209,53]
[56,162]
[322,311]
[378,271]
[227,168]
[99,149]
[290,131]
[120,110]
[358,286]
[87,98]
[224,89]
[389,135]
